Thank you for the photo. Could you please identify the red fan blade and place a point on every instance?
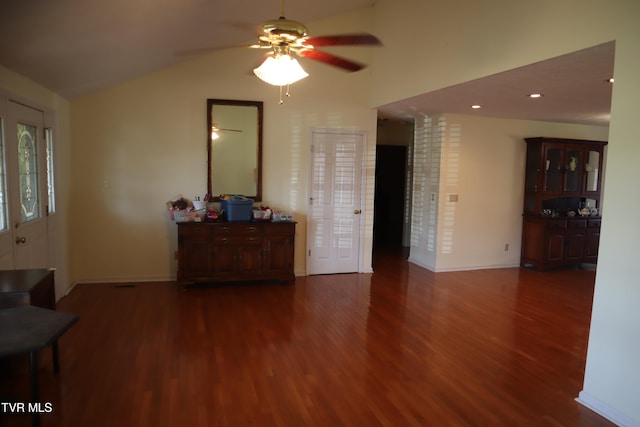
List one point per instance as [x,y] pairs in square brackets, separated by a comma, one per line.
[330,59]
[343,40]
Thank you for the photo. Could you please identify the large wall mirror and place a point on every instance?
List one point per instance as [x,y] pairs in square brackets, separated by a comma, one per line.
[234,148]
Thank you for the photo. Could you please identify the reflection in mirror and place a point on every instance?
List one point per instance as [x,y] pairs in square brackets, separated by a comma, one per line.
[234,148]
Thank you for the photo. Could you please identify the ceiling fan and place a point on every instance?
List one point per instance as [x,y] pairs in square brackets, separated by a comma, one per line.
[286,37]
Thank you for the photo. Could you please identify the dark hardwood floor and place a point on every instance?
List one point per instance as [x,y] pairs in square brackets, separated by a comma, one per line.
[399,347]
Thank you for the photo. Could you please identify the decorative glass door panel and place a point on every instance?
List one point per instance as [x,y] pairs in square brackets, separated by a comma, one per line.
[28,173]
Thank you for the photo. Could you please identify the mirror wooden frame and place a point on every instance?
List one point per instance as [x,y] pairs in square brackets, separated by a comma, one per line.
[258,149]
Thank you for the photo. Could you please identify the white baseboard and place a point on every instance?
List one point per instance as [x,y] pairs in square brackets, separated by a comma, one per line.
[109,280]
[463,268]
[419,263]
[605,410]
[476,267]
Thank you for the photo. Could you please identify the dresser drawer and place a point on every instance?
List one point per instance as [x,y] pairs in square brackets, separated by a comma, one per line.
[194,231]
[276,228]
[237,229]
[577,224]
[237,240]
[557,224]
[594,223]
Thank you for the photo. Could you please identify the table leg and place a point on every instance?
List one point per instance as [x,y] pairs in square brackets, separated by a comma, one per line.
[33,373]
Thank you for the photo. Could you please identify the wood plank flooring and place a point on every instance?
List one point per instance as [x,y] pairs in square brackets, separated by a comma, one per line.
[399,347]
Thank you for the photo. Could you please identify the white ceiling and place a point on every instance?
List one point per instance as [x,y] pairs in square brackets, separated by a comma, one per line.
[74,47]
[574,86]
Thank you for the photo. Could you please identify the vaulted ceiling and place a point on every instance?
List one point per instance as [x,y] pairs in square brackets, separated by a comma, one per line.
[74,47]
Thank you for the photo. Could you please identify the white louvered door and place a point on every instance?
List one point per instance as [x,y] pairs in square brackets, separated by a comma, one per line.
[334,215]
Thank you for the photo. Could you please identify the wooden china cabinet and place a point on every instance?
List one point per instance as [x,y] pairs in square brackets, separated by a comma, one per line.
[235,251]
[562,212]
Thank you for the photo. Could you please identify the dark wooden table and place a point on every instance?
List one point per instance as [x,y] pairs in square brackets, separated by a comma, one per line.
[28,329]
[27,287]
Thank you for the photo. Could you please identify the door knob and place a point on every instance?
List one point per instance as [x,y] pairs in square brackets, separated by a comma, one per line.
[21,240]
[357,212]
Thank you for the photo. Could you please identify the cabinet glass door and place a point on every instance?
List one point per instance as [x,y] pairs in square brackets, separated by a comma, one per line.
[553,169]
[532,170]
[592,170]
[573,170]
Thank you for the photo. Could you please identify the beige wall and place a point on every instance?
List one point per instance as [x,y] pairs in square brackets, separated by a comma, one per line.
[612,373]
[482,162]
[430,45]
[142,143]
[138,144]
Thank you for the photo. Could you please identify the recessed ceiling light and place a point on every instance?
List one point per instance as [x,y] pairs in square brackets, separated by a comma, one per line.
[609,80]
[535,95]
[476,106]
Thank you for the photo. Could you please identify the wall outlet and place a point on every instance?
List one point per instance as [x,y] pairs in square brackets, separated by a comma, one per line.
[506,247]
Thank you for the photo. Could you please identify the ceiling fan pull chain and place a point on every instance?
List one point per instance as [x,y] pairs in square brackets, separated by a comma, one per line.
[287,93]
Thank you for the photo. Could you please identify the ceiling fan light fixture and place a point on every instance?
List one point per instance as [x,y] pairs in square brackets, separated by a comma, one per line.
[281,70]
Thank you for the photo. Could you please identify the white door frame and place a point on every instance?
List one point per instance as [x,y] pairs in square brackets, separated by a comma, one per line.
[34,251]
[362,200]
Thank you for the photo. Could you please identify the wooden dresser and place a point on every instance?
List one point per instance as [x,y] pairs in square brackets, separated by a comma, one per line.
[27,287]
[235,251]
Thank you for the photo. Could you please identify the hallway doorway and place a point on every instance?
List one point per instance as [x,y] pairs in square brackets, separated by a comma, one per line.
[390,195]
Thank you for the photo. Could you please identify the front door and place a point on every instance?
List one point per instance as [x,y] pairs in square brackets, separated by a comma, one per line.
[23,237]
[333,223]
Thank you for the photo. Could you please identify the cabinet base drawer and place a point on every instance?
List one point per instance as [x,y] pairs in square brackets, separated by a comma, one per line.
[235,252]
